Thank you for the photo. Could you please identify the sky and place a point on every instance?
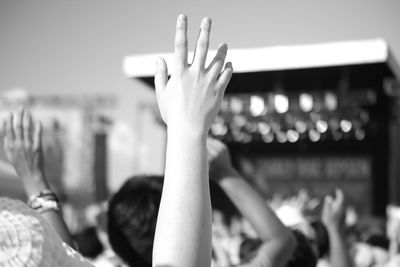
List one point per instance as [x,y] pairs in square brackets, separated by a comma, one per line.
[77,47]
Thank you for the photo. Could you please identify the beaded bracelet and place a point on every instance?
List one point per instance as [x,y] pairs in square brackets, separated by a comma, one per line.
[45,193]
[43,201]
[43,205]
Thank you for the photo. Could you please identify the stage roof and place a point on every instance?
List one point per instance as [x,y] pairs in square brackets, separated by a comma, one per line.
[366,62]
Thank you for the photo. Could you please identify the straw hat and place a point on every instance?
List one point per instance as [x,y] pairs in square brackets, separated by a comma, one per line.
[26,239]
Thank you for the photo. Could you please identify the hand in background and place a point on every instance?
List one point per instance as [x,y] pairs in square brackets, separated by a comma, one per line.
[333,211]
[219,158]
[191,98]
[333,216]
[23,148]
[302,202]
[22,145]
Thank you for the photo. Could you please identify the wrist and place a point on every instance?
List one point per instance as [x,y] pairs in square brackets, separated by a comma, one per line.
[186,134]
[34,182]
[187,127]
[224,172]
[229,179]
[331,227]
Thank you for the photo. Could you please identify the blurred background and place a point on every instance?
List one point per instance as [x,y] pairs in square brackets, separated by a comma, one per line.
[312,127]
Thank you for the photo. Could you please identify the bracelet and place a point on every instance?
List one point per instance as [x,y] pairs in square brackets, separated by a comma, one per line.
[42,205]
[45,193]
[43,201]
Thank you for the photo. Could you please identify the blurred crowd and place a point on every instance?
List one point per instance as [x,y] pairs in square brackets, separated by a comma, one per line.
[369,242]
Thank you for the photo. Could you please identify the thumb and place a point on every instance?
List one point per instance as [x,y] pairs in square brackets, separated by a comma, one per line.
[161,75]
[327,204]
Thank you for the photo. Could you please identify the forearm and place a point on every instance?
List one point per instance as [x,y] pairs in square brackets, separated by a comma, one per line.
[393,248]
[183,232]
[339,255]
[36,182]
[252,206]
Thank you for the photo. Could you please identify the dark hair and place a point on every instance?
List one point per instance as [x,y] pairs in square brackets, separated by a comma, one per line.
[221,202]
[303,255]
[377,240]
[322,238]
[89,243]
[248,249]
[132,216]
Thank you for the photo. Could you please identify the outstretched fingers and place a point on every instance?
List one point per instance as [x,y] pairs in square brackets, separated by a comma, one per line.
[224,78]
[339,199]
[327,205]
[37,135]
[9,129]
[161,75]
[200,54]
[339,195]
[17,124]
[27,128]
[181,43]
[217,63]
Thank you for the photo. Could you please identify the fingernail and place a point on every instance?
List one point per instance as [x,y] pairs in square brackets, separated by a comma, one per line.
[223,47]
[207,20]
[206,23]
[182,18]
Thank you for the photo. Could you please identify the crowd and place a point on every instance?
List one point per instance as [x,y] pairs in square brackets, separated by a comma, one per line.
[170,220]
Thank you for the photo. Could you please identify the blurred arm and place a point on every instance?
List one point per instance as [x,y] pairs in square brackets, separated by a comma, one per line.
[333,214]
[279,243]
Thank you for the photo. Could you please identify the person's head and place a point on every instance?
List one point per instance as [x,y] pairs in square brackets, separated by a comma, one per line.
[377,240]
[132,216]
[89,243]
[303,254]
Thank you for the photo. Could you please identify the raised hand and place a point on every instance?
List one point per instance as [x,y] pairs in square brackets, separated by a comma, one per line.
[23,148]
[192,96]
[333,211]
[188,103]
[333,216]
[219,158]
[22,144]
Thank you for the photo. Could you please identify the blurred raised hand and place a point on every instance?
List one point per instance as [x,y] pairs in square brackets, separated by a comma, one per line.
[302,202]
[333,216]
[334,211]
[219,159]
[23,148]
